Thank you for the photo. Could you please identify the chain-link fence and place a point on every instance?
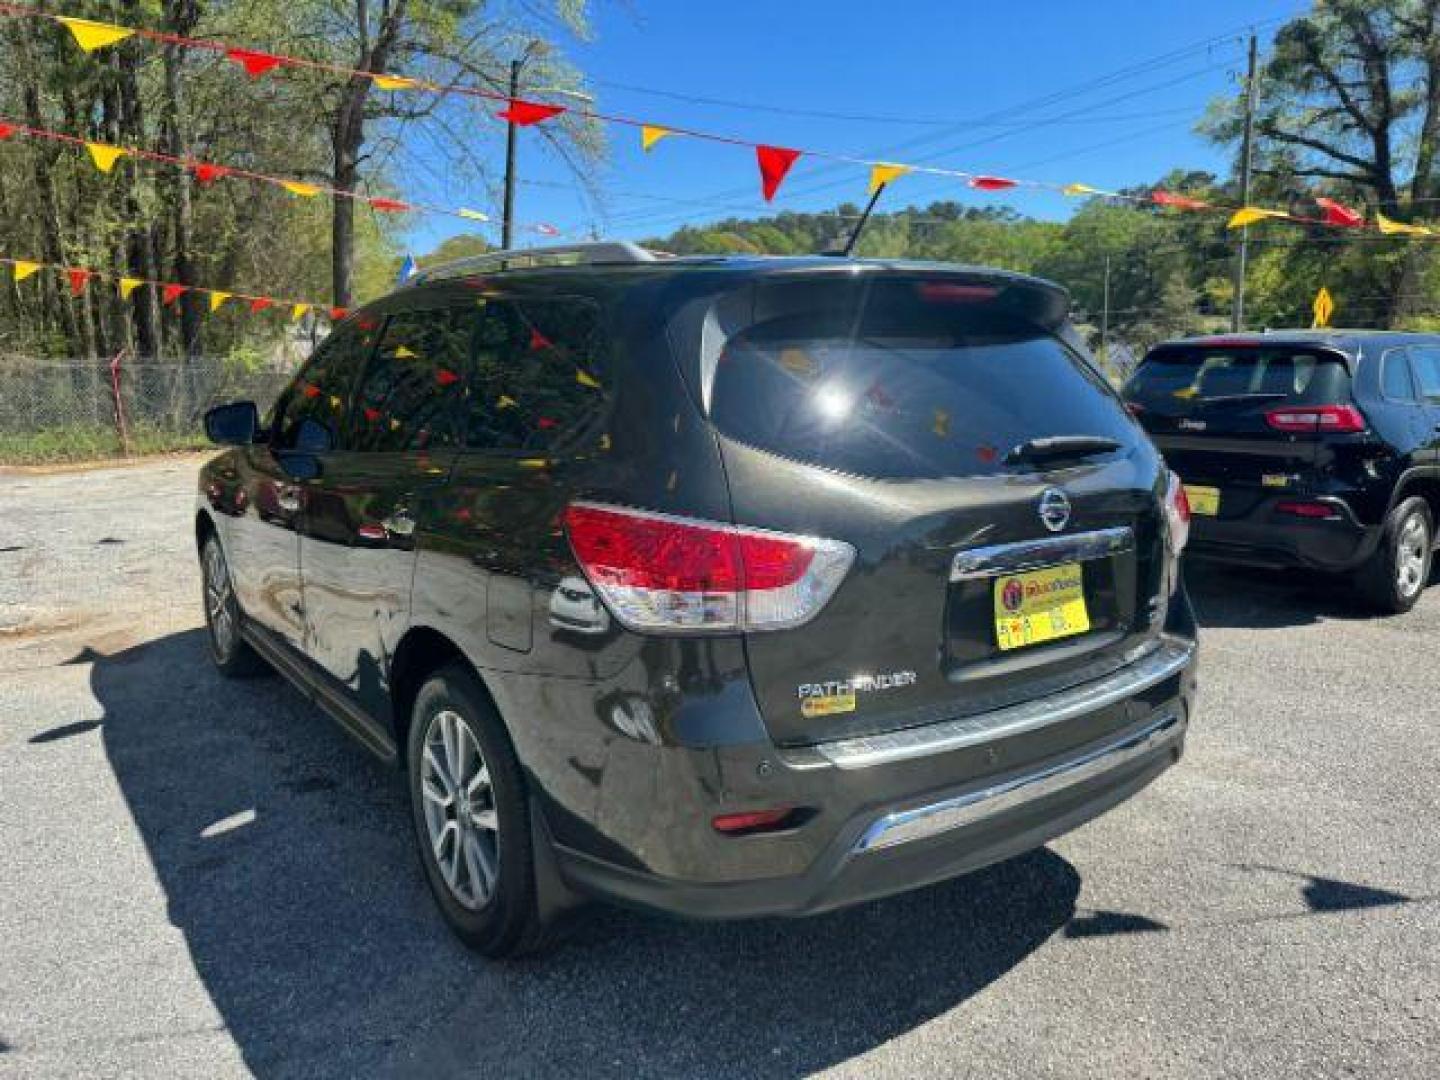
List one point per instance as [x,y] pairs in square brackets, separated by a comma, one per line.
[80,409]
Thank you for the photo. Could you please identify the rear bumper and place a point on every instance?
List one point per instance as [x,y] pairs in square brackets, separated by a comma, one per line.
[902,826]
[1267,538]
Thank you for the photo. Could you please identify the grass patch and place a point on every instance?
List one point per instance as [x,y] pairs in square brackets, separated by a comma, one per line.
[95,442]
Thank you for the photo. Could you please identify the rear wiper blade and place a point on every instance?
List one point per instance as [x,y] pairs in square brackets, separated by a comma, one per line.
[1061,446]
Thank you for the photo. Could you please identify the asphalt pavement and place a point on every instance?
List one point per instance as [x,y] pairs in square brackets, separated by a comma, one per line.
[208,878]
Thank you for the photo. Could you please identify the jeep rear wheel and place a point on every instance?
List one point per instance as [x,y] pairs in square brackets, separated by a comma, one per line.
[1396,575]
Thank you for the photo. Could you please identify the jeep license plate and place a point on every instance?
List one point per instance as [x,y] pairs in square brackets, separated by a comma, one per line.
[1040,605]
[1204,501]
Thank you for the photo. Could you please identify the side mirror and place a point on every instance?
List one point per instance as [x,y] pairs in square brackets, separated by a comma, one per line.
[236,424]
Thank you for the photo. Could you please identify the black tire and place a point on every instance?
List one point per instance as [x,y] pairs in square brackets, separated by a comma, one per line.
[507,921]
[232,655]
[1394,577]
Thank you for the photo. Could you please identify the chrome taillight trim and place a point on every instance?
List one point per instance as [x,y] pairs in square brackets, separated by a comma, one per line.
[996,559]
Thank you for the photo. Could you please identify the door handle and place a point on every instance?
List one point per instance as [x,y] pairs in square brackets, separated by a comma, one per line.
[287,498]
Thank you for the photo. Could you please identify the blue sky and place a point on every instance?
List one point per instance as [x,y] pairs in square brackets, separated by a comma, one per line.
[1102,93]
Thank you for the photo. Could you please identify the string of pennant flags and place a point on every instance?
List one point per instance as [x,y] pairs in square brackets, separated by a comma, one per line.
[78,279]
[105,156]
[774,162]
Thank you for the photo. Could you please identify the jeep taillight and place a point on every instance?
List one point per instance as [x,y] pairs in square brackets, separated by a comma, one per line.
[1317,419]
[657,572]
[1177,514]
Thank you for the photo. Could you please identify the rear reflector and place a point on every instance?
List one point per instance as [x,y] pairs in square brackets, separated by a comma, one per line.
[1317,419]
[657,572]
[1177,514]
[1307,509]
[752,821]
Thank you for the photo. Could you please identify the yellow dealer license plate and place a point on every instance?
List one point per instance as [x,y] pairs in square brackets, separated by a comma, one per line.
[1040,605]
[1204,501]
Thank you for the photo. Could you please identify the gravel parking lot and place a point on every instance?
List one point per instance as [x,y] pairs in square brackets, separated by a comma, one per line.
[208,878]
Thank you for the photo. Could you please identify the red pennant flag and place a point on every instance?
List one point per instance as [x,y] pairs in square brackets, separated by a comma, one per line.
[170,293]
[538,341]
[445,377]
[254,63]
[260,303]
[205,173]
[390,206]
[775,162]
[310,390]
[1180,202]
[78,280]
[338,313]
[547,230]
[6,130]
[544,423]
[1340,214]
[524,113]
[371,413]
[991,183]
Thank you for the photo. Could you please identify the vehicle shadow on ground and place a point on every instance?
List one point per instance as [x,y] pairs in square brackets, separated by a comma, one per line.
[287,863]
[1251,598]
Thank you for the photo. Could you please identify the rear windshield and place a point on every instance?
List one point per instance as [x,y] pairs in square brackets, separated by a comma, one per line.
[1178,381]
[902,378]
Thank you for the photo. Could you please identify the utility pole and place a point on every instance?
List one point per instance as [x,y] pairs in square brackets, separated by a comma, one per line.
[1237,310]
[1105,319]
[508,220]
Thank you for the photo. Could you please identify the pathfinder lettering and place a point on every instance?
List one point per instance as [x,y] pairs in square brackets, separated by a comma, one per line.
[891,681]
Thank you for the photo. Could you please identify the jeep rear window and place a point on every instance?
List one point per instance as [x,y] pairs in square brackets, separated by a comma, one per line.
[1178,381]
[902,378]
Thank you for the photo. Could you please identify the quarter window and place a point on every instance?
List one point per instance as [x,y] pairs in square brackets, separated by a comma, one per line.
[412,395]
[1425,363]
[1396,382]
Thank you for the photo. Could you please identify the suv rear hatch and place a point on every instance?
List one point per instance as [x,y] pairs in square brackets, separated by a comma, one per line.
[1239,420]
[906,414]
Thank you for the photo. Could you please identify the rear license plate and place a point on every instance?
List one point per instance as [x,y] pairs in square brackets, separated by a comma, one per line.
[1204,501]
[1040,605]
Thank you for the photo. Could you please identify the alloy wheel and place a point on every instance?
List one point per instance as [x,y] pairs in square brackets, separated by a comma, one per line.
[1412,556]
[460,815]
[219,611]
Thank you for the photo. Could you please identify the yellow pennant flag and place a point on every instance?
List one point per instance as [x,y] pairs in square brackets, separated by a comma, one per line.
[584,378]
[473,215]
[104,155]
[1399,228]
[24,269]
[94,35]
[1080,189]
[1248,215]
[128,285]
[505,401]
[884,174]
[395,82]
[296,310]
[217,298]
[650,134]
[295,187]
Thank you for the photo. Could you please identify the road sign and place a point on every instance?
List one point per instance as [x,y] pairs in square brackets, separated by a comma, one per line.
[1324,307]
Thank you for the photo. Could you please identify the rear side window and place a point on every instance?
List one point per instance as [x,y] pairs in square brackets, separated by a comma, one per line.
[1425,361]
[902,378]
[540,376]
[1395,380]
[1176,381]
[310,416]
[411,397]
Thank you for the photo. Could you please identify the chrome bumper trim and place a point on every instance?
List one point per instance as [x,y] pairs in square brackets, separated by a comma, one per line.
[904,826]
[996,559]
[864,751]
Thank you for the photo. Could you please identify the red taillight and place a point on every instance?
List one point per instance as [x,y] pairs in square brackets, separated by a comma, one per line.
[1307,509]
[1177,514]
[752,820]
[1317,419]
[658,572]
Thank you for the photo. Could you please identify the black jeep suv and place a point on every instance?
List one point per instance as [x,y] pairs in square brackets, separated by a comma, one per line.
[719,586]
[1318,449]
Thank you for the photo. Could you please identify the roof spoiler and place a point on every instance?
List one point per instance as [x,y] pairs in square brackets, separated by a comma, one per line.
[609,252]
